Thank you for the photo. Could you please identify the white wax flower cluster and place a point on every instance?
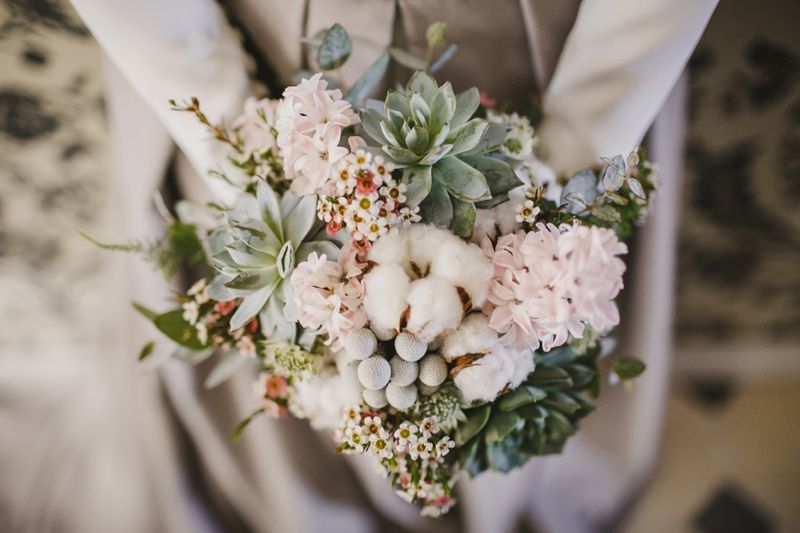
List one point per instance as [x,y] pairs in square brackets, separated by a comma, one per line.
[364,198]
[549,284]
[427,273]
[310,119]
[328,295]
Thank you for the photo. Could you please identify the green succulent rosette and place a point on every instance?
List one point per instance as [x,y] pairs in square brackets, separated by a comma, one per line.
[255,252]
[443,150]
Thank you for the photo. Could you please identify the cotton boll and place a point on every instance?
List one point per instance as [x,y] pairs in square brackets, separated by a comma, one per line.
[425,244]
[472,336]
[432,370]
[403,372]
[360,343]
[465,265]
[401,398]
[374,372]
[486,224]
[435,307]
[375,398]
[486,377]
[390,249]
[409,347]
[383,334]
[386,290]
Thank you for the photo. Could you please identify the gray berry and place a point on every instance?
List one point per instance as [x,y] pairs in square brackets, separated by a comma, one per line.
[403,372]
[374,372]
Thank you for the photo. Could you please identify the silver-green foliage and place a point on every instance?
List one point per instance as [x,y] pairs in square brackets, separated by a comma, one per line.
[257,249]
[430,132]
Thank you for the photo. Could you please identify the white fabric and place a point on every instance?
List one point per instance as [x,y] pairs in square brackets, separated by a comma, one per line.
[619,64]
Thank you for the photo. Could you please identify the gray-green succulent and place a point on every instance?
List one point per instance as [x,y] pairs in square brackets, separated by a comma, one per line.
[256,251]
[442,149]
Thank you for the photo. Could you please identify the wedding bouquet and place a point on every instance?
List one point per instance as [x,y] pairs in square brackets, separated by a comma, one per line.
[407,274]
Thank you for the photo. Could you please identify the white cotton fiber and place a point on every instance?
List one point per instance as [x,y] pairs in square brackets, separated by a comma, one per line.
[472,336]
[490,374]
[386,289]
[425,244]
[435,307]
[390,249]
[465,265]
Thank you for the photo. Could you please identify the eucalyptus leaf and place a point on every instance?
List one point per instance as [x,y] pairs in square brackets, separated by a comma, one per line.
[636,188]
[146,351]
[580,191]
[406,59]
[334,49]
[445,56]
[369,81]
[613,175]
[236,434]
[607,213]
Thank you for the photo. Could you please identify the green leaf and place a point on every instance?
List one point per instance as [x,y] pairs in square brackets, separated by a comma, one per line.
[434,35]
[436,154]
[228,365]
[616,198]
[466,105]
[520,396]
[468,457]
[461,180]
[561,402]
[401,156]
[581,375]
[422,82]
[145,312]
[301,219]
[367,83]
[467,136]
[628,367]
[146,351]
[179,330]
[371,122]
[556,357]
[193,357]
[443,106]
[476,420]
[406,59]
[418,184]
[252,304]
[494,137]
[506,455]
[335,48]
[559,427]
[613,175]
[501,424]
[248,281]
[236,434]
[446,56]
[132,247]
[463,218]
[544,376]
[436,208]
[499,175]
[270,205]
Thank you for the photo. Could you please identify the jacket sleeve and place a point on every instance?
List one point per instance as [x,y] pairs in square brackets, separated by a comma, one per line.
[618,65]
[176,50]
